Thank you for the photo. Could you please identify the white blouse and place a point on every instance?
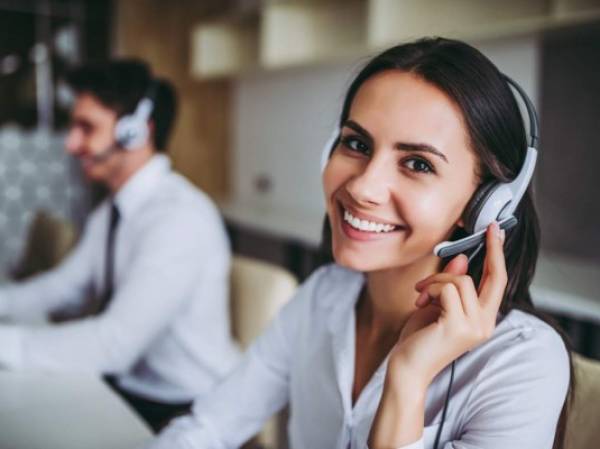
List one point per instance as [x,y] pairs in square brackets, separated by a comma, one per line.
[507,393]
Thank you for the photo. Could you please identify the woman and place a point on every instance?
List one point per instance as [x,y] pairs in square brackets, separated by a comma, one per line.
[364,351]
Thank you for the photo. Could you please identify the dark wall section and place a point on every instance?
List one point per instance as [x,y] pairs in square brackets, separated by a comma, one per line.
[568,179]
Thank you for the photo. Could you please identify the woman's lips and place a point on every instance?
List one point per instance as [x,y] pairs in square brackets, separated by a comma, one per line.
[365,230]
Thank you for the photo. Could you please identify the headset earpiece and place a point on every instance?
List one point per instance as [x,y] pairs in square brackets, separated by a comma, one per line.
[475,210]
[496,201]
[131,131]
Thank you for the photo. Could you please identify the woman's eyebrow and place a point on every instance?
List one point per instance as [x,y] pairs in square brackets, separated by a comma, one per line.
[359,129]
[409,146]
[405,146]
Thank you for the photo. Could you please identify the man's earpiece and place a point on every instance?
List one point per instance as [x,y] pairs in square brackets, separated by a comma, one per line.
[132,131]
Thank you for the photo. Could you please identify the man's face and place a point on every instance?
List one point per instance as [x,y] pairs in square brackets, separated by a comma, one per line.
[90,137]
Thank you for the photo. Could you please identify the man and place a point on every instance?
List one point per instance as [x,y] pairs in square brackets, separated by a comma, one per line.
[155,253]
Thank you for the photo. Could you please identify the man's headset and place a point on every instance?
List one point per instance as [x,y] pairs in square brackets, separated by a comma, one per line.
[491,201]
[131,130]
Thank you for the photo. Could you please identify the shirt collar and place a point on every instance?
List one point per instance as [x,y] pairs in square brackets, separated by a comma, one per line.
[348,287]
[141,185]
[341,323]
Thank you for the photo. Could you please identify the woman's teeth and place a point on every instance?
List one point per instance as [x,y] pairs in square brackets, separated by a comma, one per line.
[366,225]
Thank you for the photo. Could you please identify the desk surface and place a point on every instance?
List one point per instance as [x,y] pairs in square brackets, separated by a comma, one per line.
[41,411]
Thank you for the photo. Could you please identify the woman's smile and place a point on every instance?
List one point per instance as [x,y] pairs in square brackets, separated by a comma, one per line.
[366,227]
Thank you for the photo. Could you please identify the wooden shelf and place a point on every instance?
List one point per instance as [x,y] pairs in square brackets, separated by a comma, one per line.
[303,32]
[392,21]
[285,33]
[224,48]
[569,7]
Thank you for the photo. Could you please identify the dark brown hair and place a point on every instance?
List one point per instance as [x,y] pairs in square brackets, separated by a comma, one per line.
[120,84]
[498,138]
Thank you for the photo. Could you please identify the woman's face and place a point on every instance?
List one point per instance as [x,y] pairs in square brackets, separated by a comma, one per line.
[398,181]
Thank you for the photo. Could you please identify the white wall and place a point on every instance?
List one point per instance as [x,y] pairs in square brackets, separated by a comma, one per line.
[281,121]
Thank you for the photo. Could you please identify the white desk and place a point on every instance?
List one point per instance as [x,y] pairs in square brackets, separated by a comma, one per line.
[40,411]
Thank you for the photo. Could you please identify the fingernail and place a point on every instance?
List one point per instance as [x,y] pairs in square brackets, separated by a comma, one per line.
[502,235]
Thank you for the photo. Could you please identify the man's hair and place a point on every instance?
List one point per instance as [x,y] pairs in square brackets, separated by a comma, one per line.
[120,84]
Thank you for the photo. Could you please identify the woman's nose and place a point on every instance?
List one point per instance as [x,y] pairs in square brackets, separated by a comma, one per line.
[371,186]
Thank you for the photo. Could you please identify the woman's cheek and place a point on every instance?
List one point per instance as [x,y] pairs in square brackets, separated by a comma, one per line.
[422,209]
[334,175]
[431,217]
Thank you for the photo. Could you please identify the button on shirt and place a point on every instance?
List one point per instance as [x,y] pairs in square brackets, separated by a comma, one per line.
[507,393]
[165,333]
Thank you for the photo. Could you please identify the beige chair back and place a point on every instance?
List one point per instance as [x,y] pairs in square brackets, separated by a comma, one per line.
[258,290]
[49,239]
[583,427]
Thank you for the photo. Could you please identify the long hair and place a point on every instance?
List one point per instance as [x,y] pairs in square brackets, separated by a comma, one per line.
[498,138]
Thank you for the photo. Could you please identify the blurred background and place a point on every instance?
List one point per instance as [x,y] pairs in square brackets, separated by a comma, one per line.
[260,86]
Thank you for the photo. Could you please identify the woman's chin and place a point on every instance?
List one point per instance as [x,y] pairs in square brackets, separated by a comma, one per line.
[369,261]
[360,262]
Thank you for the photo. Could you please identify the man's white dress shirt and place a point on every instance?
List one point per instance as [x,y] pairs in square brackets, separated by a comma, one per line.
[165,334]
[507,393]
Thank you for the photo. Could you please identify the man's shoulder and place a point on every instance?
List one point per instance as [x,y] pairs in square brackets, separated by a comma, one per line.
[177,197]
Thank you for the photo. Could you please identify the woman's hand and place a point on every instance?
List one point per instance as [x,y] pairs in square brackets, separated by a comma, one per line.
[453,316]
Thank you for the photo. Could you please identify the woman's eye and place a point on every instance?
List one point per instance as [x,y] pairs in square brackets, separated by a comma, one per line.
[418,165]
[354,144]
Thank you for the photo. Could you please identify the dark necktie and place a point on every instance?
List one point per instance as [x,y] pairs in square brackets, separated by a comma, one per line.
[109,262]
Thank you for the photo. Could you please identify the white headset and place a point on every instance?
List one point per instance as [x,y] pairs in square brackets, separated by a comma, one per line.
[131,130]
[493,201]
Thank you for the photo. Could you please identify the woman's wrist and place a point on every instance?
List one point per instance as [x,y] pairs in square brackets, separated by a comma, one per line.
[400,416]
[405,392]
[400,375]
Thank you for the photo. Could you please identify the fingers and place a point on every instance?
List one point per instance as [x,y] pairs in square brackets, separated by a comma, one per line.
[463,285]
[445,295]
[491,287]
[495,277]
[457,266]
